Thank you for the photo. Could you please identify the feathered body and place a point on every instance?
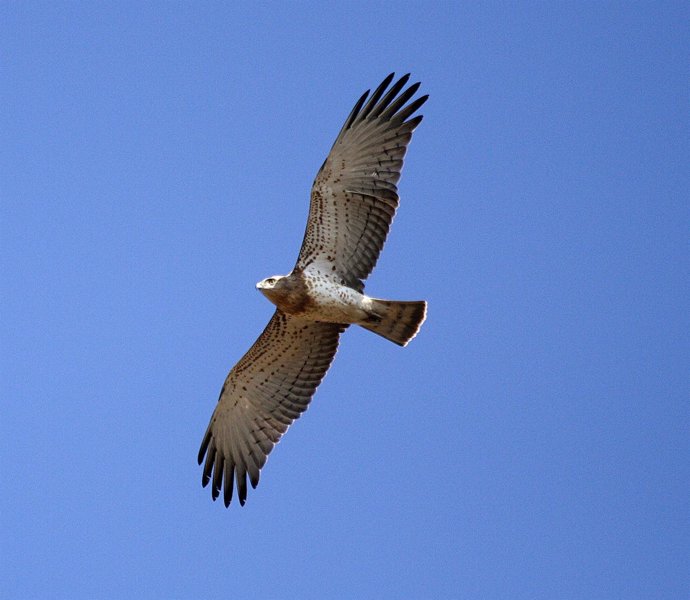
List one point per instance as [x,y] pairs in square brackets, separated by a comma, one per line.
[315,295]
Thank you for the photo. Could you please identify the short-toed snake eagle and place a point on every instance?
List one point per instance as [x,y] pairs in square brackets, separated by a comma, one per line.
[353,200]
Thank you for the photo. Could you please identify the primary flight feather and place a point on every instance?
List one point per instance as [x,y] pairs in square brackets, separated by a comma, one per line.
[353,200]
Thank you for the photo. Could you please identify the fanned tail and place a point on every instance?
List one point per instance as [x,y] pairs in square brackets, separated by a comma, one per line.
[397,321]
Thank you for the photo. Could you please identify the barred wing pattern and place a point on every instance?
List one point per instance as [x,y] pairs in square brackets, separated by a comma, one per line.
[354,196]
[264,393]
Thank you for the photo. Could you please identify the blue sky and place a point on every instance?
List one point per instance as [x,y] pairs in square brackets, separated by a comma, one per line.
[532,442]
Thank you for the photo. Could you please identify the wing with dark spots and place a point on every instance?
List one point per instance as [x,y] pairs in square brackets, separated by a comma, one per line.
[264,393]
[355,194]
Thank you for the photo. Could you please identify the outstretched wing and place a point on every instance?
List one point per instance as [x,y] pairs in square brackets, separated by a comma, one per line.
[264,393]
[354,196]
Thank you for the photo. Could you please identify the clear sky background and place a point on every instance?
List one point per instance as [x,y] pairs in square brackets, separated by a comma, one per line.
[533,442]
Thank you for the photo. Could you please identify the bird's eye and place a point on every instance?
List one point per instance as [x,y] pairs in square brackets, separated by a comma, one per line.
[270,281]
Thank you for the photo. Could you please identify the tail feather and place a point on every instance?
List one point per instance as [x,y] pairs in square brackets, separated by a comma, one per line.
[397,321]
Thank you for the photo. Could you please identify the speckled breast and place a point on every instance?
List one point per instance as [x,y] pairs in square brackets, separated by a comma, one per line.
[317,297]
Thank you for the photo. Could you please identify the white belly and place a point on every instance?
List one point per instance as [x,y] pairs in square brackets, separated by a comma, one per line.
[335,303]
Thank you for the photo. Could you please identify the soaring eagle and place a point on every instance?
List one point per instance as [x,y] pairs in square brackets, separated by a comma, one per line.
[353,200]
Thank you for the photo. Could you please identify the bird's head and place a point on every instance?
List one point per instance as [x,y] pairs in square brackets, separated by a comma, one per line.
[269,283]
[272,287]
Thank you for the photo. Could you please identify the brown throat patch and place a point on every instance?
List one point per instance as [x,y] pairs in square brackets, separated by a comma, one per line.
[292,295]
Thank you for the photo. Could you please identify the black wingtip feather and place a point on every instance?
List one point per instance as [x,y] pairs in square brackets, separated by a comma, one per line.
[412,108]
[364,113]
[399,102]
[218,476]
[354,112]
[204,446]
[208,466]
[413,123]
[229,480]
[242,488]
[390,96]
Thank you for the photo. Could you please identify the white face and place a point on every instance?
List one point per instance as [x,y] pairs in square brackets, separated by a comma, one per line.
[268,283]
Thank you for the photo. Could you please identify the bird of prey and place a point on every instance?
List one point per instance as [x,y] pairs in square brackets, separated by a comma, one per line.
[353,200]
